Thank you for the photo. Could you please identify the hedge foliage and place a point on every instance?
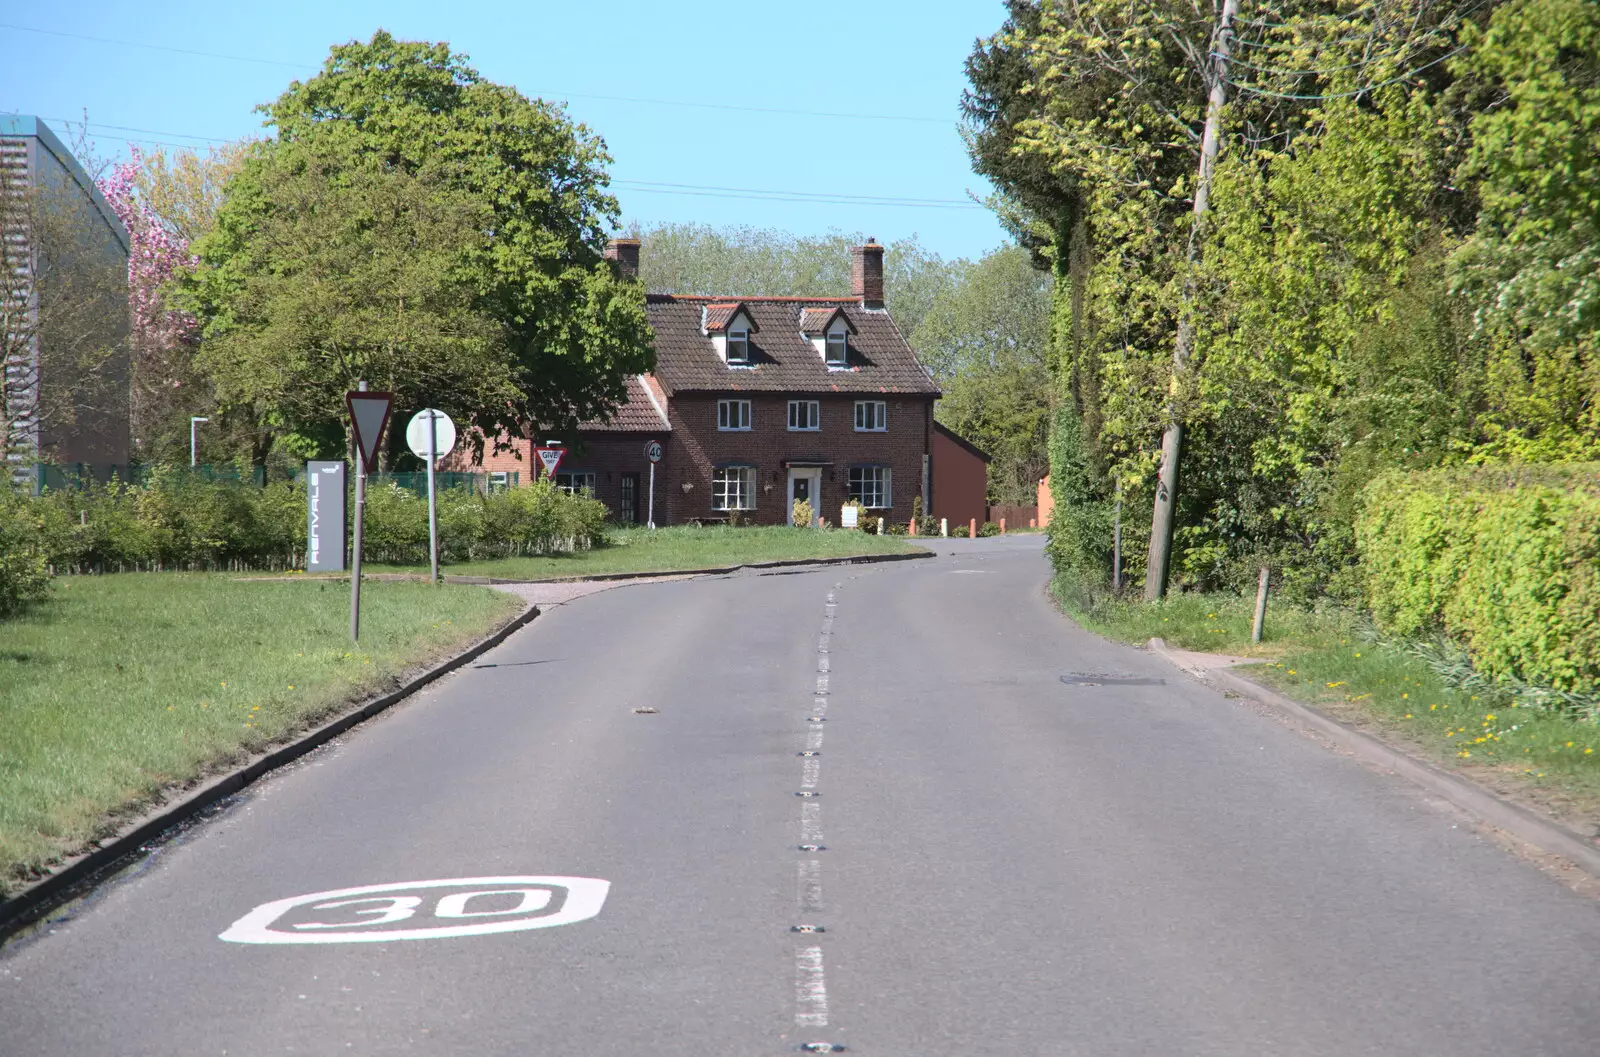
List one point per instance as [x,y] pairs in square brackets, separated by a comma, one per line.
[1504,559]
[177,521]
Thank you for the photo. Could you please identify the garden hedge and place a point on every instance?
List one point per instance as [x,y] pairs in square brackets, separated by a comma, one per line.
[174,520]
[1504,559]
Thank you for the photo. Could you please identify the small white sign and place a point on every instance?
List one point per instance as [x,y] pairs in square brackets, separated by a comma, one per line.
[849,516]
[444,439]
[467,906]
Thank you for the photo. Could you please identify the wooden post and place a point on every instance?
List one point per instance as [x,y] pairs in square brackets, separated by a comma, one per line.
[1116,545]
[1261,604]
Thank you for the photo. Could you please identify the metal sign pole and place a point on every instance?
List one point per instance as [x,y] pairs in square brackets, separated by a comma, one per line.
[355,545]
[433,508]
[651,520]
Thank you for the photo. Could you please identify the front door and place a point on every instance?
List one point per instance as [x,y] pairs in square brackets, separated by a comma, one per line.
[805,486]
[628,509]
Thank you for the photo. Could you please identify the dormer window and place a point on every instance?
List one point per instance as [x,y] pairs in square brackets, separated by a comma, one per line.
[738,346]
[828,328]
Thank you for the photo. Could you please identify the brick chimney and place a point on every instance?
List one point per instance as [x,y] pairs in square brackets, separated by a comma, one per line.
[626,253]
[866,274]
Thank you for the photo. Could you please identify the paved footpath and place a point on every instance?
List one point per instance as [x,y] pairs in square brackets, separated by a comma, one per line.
[993,863]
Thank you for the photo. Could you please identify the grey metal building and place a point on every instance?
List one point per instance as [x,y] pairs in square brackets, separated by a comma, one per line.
[64,318]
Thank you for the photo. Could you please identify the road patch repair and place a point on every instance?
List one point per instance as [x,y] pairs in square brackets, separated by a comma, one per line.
[1477,802]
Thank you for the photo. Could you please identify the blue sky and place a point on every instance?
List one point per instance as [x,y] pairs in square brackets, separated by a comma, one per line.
[894,70]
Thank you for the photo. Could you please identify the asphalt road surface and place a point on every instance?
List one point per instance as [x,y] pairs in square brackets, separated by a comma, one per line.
[1009,865]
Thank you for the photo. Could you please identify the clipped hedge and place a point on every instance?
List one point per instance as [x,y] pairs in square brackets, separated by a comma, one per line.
[1504,559]
[174,520]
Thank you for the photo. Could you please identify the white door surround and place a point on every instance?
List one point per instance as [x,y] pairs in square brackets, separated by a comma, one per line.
[805,483]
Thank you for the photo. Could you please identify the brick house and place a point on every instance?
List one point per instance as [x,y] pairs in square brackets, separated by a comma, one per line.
[759,402]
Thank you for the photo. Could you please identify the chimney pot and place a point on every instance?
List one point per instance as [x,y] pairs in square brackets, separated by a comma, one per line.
[626,253]
[866,274]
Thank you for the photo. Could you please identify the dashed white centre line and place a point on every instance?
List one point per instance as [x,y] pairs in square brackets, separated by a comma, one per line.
[809,885]
[810,988]
[810,772]
[814,739]
[811,823]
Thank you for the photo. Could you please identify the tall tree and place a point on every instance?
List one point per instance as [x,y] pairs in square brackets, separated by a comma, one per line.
[506,312]
[987,341]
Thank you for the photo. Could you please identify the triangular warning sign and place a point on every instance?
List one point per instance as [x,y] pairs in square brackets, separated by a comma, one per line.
[551,458]
[369,413]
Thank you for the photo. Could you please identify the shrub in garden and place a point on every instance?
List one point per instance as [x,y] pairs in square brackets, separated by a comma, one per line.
[1504,559]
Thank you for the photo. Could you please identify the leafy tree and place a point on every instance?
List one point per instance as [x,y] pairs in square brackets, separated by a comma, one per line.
[420,227]
[1533,263]
[987,340]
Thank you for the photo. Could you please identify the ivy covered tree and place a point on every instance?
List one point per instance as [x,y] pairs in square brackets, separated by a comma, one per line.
[421,228]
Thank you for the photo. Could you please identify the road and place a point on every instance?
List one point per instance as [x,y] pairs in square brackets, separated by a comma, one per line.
[1009,865]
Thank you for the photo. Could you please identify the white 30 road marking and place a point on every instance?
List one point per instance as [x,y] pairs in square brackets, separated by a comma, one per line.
[373,906]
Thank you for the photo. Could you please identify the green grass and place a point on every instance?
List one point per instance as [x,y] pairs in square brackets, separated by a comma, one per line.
[1331,660]
[677,549]
[123,685]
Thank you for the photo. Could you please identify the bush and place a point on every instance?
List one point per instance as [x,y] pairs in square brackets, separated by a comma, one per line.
[988,528]
[24,573]
[1504,559]
[176,520]
[1081,524]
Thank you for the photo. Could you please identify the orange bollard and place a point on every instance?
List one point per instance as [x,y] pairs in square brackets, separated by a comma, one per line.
[1033,522]
[911,527]
[1002,526]
[972,529]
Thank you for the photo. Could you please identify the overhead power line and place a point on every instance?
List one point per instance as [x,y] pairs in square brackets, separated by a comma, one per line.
[693,104]
[758,194]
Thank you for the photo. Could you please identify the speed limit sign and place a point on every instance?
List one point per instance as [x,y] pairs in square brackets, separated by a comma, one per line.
[652,451]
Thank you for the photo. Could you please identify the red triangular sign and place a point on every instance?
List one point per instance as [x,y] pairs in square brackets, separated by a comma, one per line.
[369,413]
[551,458]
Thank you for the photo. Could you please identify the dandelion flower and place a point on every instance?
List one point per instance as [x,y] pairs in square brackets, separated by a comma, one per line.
[1408,715]
[1405,697]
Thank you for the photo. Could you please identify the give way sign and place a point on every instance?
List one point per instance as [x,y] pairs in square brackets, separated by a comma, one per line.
[550,459]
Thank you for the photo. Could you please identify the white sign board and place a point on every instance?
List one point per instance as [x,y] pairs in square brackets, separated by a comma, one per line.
[849,515]
[444,438]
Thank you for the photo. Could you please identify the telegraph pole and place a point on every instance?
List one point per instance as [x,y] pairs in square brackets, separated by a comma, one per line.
[1155,577]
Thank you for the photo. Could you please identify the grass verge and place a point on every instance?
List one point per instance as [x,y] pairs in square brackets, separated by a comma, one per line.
[677,549]
[124,685]
[1331,660]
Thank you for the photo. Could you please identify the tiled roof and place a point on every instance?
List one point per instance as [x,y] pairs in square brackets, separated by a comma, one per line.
[718,316]
[782,359]
[815,320]
[638,414]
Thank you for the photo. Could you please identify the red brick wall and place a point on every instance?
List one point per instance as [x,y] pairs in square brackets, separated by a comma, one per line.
[695,446]
[698,446]
[960,483]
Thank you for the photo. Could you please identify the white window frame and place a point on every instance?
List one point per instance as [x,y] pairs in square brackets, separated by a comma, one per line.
[875,413]
[843,341]
[578,482]
[733,484]
[881,482]
[740,339]
[809,417]
[733,416]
